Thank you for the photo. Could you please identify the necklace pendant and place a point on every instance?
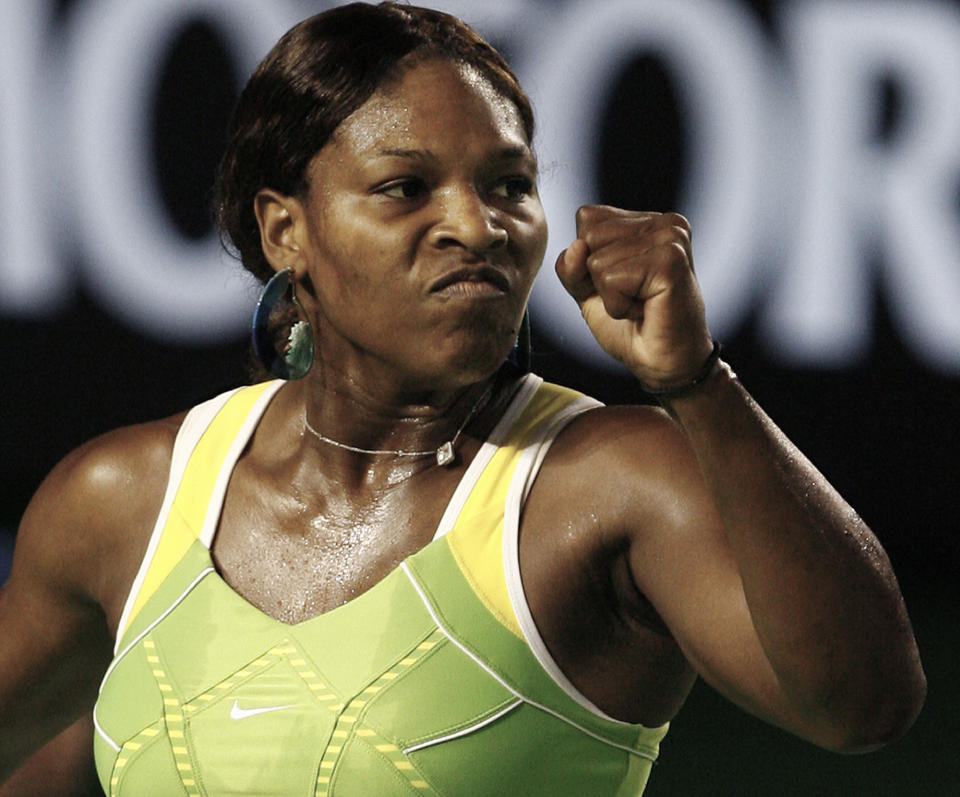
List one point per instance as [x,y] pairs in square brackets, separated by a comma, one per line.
[445,454]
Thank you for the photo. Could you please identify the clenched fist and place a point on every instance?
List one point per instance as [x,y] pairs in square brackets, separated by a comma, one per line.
[632,275]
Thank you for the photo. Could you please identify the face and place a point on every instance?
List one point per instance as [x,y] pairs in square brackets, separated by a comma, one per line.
[422,229]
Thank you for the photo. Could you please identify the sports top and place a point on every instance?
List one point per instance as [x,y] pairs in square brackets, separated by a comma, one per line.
[435,681]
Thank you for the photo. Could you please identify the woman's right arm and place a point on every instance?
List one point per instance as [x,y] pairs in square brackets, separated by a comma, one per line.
[77,551]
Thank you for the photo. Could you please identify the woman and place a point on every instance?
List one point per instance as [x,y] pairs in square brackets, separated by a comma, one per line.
[417,569]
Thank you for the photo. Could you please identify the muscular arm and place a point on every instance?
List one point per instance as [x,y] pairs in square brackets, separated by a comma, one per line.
[76,554]
[55,641]
[773,587]
[782,598]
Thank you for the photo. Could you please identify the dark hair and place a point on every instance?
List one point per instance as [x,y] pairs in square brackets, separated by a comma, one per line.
[318,74]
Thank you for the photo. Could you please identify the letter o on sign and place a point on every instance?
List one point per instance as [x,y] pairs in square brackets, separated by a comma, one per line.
[139,266]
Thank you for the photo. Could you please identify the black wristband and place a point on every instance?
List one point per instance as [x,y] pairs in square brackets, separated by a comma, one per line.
[671,392]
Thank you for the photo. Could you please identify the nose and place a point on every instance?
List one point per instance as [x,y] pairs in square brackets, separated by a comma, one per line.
[467,220]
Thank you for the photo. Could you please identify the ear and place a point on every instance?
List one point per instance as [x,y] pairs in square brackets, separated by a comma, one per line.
[280,219]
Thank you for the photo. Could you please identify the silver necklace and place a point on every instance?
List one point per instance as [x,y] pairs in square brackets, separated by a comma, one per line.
[445,454]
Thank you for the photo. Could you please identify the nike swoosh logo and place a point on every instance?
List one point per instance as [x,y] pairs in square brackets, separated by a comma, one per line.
[237,713]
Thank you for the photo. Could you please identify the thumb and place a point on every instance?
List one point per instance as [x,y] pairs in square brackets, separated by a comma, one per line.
[571,268]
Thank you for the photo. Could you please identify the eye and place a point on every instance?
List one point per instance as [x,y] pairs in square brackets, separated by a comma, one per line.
[514,188]
[407,188]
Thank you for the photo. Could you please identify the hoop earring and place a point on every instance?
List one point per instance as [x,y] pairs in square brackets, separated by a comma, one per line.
[282,339]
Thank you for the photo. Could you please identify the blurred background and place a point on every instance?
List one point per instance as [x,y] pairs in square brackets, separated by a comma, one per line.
[815,146]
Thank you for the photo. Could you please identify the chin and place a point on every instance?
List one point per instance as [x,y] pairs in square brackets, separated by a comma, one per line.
[468,364]
[464,352]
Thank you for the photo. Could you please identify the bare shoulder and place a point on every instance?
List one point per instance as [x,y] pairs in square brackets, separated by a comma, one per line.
[95,510]
[617,478]
[613,423]
[624,479]
[77,551]
[613,493]
[610,447]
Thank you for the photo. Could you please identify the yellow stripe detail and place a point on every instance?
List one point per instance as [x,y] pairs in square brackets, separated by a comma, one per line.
[128,752]
[172,723]
[349,724]
[193,495]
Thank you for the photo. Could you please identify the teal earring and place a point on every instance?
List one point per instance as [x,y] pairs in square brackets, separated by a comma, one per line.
[282,339]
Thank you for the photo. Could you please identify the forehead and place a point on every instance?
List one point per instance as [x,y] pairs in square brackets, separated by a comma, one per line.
[432,101]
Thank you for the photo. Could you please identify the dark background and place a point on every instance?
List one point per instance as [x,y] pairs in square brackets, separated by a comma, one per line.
[884,432]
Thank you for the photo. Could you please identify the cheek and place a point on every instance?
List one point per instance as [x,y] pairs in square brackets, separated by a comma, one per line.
[532,244]
[355,260]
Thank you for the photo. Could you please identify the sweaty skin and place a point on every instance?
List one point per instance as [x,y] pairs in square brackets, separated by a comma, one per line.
[655,544]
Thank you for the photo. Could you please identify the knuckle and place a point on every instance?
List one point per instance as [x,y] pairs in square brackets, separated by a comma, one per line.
[585,215]
[678,220]
[676,258]
[607,282]
[588,215]
[594,264]
[595,237]
[678,252]
[670,236]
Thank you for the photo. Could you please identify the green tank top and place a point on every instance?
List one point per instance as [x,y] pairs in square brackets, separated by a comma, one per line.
[433,682]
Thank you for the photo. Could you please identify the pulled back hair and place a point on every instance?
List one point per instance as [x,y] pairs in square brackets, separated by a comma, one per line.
[319,73]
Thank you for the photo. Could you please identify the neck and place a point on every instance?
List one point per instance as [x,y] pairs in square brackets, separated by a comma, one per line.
[342,416]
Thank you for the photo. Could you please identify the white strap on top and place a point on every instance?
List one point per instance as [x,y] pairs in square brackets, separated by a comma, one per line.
[215,506]
[528,387]
[527,469]
[194,424]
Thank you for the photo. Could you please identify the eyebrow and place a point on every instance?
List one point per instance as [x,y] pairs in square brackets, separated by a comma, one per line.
[413,154]
[506,153]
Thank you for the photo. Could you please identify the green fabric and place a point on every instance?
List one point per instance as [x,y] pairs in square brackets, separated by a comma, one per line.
[358,685]
[413,687]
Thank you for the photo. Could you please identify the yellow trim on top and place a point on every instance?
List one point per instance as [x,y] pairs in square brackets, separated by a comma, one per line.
[476,539]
